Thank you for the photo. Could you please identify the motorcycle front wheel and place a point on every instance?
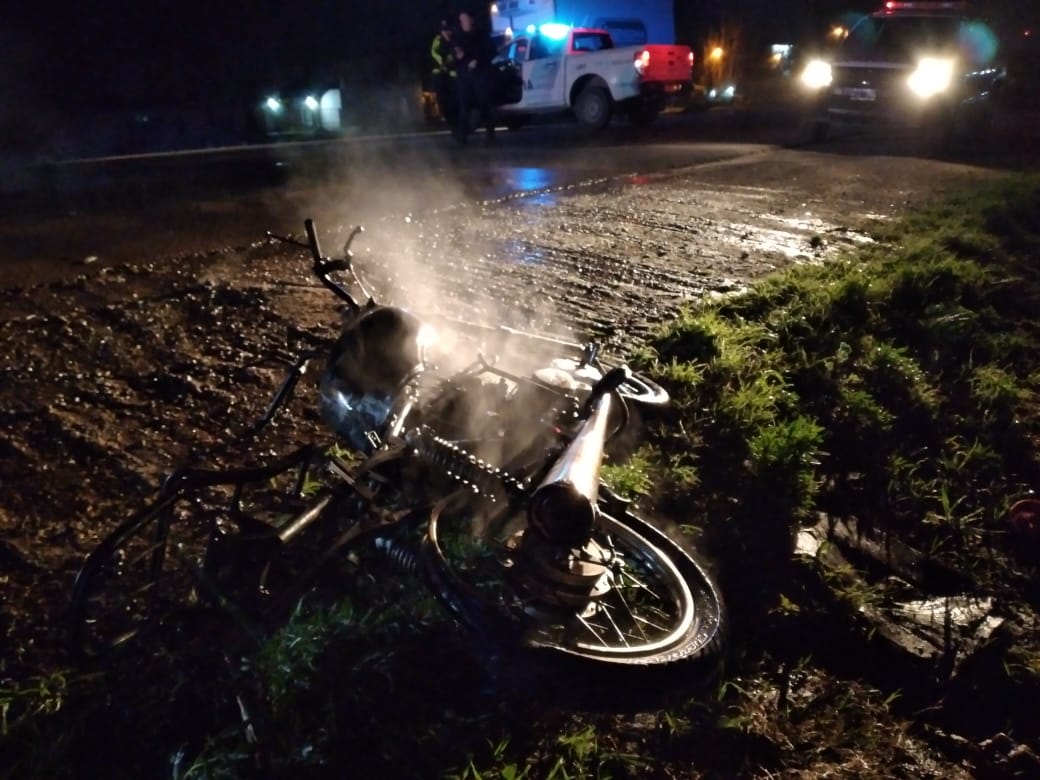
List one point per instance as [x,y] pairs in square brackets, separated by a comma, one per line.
[654,604]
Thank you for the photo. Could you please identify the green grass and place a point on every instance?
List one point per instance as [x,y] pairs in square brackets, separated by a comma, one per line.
[898,384]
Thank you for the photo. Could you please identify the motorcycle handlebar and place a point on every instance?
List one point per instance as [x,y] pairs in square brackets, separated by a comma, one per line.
[323,266]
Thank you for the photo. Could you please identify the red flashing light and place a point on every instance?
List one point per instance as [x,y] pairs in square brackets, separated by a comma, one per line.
[926,5]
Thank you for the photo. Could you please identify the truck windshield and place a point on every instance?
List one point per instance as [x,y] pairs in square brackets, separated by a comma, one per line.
[901,39]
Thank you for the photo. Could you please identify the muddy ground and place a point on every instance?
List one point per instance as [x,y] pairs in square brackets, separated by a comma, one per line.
[118,372]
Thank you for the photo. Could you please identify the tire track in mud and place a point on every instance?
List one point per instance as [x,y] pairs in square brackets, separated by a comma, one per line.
[605,265]
[618,257]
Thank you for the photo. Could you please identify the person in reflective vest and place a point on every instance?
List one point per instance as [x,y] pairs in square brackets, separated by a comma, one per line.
[442,52]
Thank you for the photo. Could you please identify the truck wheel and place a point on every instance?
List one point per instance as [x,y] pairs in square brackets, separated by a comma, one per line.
[592,108]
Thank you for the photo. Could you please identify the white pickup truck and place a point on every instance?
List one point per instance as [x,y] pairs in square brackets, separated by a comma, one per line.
[577,69]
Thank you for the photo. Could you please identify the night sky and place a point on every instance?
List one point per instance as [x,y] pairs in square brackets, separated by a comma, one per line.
[114,50]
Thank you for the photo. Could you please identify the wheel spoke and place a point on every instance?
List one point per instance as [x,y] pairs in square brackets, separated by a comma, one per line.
[592,630]
[650,623]
[605,610]
[636,620]
[639,584]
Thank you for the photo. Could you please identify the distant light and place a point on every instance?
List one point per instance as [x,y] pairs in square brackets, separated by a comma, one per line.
[555,30]
[1027,33]
[716,54]
[273,104]
[531,29]
[509,32]
[839,32]
[311,102]
[494,9]
[730,91]
[712,93]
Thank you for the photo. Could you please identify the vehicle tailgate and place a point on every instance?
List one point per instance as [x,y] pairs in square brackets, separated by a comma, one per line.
[667,62]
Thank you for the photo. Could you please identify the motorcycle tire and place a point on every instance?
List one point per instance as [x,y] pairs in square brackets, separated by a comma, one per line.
[658,607]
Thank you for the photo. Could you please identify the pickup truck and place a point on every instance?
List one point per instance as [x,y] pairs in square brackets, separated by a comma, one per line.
[581,70]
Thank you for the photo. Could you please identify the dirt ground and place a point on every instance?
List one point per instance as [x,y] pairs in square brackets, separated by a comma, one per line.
[115,374]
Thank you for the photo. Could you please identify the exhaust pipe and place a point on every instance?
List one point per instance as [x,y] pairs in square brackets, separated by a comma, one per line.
[563,507]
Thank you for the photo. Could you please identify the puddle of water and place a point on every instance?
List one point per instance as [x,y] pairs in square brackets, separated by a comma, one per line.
[530,185]
[529,178]
[818,226]
[793,246]
[521,253]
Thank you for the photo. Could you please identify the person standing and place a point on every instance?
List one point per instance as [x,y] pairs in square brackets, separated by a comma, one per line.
[473,55]
[442,52]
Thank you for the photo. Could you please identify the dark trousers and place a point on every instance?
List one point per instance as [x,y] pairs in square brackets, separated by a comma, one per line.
[446,90]
[474,90]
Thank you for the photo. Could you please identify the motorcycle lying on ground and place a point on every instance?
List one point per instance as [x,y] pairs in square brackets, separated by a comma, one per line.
[484,481]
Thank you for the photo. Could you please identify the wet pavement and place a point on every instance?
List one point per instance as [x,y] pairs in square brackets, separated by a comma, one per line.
[736,187]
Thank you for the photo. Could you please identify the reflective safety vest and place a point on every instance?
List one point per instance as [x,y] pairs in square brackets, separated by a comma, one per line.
[442,55]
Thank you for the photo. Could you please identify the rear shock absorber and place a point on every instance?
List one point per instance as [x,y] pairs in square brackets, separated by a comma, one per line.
[484,478]
[399,553]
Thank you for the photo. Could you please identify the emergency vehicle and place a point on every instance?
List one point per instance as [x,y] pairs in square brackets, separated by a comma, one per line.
[930,65]
[629,22]
[581,70]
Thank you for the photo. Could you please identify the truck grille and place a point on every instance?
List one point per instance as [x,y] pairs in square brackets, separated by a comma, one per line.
[866,89]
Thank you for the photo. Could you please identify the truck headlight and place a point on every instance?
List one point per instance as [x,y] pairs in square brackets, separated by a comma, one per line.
[817,74]
[932,76]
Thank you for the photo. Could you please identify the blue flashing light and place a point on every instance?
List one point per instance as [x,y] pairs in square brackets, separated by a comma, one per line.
[555,30]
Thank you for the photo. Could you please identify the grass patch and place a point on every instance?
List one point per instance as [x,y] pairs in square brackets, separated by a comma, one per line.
[898,386]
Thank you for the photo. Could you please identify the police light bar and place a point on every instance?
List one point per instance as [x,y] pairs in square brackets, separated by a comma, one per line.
[925,5]
[555,30]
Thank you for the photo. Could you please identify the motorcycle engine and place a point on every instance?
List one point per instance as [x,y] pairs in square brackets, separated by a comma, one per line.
[368,367]
[569,375]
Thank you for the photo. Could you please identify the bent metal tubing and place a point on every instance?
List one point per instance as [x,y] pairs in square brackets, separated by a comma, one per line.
[178,486]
